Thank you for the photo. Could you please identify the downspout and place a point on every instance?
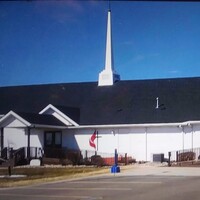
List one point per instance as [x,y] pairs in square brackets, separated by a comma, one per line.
[183,139]
[192,131]
[146,142]
[192,136]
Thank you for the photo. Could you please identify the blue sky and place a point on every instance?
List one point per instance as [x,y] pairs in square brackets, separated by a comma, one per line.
[64,41]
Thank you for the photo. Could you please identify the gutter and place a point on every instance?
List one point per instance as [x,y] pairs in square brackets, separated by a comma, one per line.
[40,126]
[47,126]
[176,124]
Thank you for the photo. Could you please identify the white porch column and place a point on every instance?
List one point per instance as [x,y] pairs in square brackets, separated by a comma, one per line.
[2,138]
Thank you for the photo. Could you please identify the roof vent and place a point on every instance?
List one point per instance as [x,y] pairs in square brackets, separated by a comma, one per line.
[157,102]
[159,106]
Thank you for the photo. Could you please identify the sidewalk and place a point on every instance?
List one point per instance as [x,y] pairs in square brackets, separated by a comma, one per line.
[141,170]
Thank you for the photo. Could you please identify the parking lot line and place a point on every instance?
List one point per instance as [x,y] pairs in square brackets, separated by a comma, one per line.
[75,188]
[119,182]
[50,196]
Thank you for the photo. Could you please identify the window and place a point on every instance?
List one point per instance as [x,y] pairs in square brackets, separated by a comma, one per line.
[58,138]
[49,139]
[53,139]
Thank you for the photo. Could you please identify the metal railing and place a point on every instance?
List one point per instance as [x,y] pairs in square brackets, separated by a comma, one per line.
[21,155]
[186,155]
[106,158]
[86,157]
[4,153]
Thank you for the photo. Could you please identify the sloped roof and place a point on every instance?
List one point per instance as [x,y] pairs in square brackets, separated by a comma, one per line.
[33,119]
[68,115]
[37,119]
[126,102]
[72,112]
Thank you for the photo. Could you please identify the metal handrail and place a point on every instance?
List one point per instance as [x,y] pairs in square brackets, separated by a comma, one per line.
[19,154]
[4,153]
[186,155]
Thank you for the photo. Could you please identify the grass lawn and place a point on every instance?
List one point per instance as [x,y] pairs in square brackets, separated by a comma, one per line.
[45,174]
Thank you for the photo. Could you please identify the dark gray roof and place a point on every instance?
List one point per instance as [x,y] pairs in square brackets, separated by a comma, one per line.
[126,102]
[37,119]
[71,112]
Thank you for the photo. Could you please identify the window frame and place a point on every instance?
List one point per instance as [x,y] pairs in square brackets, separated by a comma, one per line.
[52,144]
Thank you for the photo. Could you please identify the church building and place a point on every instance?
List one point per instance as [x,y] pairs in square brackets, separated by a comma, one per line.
[137,117]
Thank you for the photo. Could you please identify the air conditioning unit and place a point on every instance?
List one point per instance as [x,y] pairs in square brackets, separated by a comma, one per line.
[158,157]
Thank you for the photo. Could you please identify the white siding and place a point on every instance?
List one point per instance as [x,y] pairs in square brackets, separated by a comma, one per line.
[163,140]
[37,138]
[13,122]
[77,139]
[196,136]
[108,140]
[15,137]
[131,141]
[140,143]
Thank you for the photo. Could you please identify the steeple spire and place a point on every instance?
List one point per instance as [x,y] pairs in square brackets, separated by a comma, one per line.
[108,76]
[109,55]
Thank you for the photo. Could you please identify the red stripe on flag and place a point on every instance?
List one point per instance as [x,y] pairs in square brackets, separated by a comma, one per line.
[92,138]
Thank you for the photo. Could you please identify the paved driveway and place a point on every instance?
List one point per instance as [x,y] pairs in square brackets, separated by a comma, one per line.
[142,183]
[144,170]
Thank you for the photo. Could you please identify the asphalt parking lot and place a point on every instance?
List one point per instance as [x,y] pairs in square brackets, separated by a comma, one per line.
[151,183]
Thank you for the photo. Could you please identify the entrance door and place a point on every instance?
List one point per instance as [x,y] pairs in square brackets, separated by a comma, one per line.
[53,144]
[53,139]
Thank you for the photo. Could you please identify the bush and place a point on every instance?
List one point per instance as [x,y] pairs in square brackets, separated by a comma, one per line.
[97,160]
[74,156]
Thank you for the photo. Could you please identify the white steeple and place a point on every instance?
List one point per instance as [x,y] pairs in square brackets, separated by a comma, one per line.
[108,76]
